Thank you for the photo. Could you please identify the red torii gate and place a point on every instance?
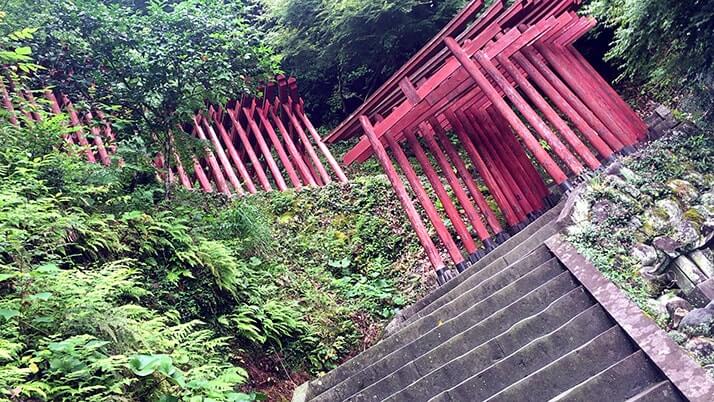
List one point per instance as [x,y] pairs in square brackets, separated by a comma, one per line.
[524,106]
[255,144]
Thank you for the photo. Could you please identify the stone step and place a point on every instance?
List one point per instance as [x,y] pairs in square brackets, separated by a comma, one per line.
[540,312]
[441,325]
[515,255]
[480,292]
[568,371]
[491,277]
[621,381]
[509,252]
[660,392]
[592,328]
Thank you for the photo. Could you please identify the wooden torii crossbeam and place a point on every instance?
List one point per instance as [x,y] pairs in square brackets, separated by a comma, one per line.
[525,108]
[253,144]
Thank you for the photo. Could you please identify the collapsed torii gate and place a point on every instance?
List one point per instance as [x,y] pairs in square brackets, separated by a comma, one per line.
[257,144]
[523,105]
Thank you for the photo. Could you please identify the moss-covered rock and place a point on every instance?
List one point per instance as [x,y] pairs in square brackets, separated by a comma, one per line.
[685,191]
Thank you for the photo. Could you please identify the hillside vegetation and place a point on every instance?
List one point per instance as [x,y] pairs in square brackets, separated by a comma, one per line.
[107,290]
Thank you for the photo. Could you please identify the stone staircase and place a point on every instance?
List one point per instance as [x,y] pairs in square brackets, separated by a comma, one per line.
[516,326]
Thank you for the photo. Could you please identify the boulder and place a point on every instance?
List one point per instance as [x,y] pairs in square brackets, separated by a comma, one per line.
[700,346]
[654,221]
[601,210]
[675,303]
[673,307]
[617,170]
[664,112]
[707,232]
[684,190]
[655,282]
[707,199]
[699,322]
[613,169]
[647,255]
[628,175]
[696,179]
[699,214]
[668,246]
[677,317]
[687,235]
[625,187]
[671,210]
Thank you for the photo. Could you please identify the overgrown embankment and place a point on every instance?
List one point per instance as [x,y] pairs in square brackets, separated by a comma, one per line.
[110,290]
[647,223]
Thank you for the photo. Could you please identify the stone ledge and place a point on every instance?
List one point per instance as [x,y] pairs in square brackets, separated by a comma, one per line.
[684,373]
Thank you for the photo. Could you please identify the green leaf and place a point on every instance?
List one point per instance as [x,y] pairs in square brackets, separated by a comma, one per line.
[47,269]
[146,365]
[41,296]
[132,215]
[4,277]
[8,314]
[43,320]
[23,51]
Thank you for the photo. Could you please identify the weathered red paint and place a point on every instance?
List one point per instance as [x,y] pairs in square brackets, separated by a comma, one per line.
[77,125]
[235,157]
[216,172]
[546,161]
[96,133]
[278,146]
[511,142]
[294,152]
[550,114]
[265,150]
[325,151]
[248,147]
[435,180]
[424,199]
[462,127]
[306,141]
[222,157]
[431,251]
[511,166]
[468,179]
[515,197]
[561,103]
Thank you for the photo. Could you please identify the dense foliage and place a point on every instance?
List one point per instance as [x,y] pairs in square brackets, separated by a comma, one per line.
[111,290]
[344,50]
[153,64]
[108,291]
[669,44]
[77,321]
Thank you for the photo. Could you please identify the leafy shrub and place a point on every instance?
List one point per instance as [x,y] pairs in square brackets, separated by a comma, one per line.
[152,64]
[667,43]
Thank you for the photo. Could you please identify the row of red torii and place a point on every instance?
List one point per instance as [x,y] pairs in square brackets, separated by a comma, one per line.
[528,114]
[255,144]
